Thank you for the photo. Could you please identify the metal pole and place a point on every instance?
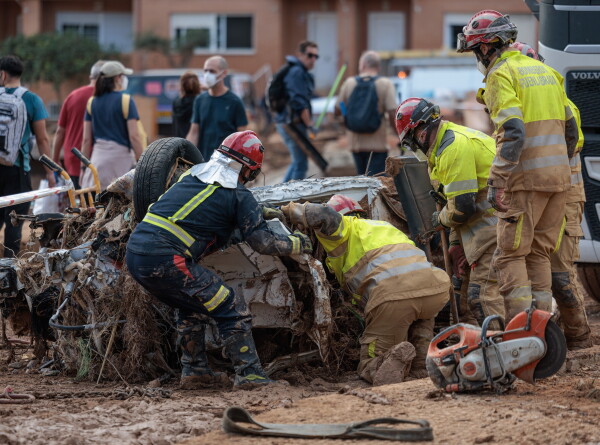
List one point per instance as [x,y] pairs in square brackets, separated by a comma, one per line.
[332,91]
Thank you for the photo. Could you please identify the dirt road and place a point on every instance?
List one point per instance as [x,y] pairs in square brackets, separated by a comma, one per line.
[564,409]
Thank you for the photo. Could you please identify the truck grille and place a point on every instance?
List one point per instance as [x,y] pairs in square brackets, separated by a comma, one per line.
[592,188]
[583,88]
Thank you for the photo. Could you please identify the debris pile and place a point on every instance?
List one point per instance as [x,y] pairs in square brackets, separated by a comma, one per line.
[90,319]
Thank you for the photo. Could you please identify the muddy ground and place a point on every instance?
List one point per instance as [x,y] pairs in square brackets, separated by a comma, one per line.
[564,409]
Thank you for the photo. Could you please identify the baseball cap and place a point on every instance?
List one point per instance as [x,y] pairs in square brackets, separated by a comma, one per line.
[114,68]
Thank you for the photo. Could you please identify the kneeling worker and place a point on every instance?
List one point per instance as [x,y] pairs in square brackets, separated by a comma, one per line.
[390,278]
[195,217]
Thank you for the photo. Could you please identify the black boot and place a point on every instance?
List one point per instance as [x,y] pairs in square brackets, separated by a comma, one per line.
[195,371]
[241,351]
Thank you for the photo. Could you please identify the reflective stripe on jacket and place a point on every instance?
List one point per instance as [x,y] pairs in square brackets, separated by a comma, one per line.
[376,262]
[522,92]
[460,160]
[576,192]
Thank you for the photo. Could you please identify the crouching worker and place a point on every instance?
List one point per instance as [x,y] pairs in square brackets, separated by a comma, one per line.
[195,217]
[459,158]
[387,276]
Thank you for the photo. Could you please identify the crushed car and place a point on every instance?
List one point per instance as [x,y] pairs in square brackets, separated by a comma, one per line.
[87,316]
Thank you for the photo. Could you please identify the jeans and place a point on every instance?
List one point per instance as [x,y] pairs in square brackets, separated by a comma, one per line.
[13,180]
[377,165]
[299,165]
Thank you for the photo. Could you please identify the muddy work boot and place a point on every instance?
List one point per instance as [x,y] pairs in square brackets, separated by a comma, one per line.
[420,334]
[241,351]
[393,366]
[195,371]
[572,311]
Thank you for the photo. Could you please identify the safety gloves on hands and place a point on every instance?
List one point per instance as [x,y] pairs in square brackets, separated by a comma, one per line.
[271,212]
[300,243]
[459,260]
[435,221]
[495,197]
[295,213]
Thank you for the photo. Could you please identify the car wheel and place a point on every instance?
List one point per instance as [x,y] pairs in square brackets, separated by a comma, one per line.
[159,168]
[589,274]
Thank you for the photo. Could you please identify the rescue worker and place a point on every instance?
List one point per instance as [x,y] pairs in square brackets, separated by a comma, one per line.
[387,276]
[459,159]
[564,271]
[536,135]
[193,218]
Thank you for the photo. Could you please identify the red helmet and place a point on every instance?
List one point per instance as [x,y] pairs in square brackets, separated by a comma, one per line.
[244,147]
[412,112]
[344,205]
[485,27]
[527,50]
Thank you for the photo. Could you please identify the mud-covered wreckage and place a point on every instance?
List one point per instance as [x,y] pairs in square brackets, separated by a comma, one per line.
[75,293]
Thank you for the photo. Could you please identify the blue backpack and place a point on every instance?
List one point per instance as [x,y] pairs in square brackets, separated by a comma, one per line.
[362,112]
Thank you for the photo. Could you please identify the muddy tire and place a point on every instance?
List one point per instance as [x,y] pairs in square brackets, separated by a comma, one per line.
[156,167]
[589,274]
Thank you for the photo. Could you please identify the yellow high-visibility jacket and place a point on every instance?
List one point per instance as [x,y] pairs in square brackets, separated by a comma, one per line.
[534,125]
[376,263]
[460,159]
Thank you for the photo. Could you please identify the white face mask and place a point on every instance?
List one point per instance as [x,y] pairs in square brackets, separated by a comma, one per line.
[211,79]
[124,82]
[482,68]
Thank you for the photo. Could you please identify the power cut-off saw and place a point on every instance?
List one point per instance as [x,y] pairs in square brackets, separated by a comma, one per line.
[464,357]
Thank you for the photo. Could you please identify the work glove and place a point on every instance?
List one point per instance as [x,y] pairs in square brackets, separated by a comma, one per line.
[295,213]
[435,221]
[300,243]
[271,212]
[495,197]
[459,260]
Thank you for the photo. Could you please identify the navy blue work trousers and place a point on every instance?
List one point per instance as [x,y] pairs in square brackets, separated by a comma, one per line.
[181,283]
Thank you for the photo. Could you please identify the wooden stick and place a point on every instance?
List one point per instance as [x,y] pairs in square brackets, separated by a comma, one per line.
[108,348]
[448,266]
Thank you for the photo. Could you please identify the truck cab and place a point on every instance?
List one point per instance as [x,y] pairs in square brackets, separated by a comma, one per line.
[570,43]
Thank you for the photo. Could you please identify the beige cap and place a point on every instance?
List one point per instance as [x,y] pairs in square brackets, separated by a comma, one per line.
[114,68]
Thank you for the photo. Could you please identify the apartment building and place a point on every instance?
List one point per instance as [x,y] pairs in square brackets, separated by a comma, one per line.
[253,34]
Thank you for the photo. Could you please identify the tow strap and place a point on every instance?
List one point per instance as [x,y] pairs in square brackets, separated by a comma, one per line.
[235,416]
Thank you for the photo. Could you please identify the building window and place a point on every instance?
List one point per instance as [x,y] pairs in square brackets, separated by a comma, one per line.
[112,30]
[89,31]
[213,32]
[526,24]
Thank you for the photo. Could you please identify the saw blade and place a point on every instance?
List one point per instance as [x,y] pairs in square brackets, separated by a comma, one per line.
[556,352]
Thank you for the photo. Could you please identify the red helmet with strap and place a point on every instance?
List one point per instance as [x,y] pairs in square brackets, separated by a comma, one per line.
[344,205]
[527,50]
[486,26]
[413,112]
[244,147]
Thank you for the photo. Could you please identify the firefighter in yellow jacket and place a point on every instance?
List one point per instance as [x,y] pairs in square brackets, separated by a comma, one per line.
[536,135]
[390,278]
[564,271]
[459,159]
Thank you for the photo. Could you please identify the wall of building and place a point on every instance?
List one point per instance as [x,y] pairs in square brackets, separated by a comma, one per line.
[427,18]
[267,30]
[8,18]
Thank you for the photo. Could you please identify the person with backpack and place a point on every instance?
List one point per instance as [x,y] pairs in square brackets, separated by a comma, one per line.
[111,126]
[364,101]
[22,114]
[289,97]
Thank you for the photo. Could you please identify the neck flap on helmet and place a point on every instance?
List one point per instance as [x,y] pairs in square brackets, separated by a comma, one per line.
[220,169]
